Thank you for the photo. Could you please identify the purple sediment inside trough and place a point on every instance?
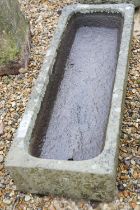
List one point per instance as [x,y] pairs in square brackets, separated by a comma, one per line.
[72,121]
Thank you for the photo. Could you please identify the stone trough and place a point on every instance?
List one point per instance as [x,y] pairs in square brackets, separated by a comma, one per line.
[67,141]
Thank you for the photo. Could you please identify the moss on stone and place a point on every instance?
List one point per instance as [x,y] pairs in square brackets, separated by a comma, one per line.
[9,49]
[13,31]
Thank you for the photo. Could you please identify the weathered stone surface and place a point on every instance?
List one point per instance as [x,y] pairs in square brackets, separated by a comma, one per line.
[90,179]
[135,2]
[14,38]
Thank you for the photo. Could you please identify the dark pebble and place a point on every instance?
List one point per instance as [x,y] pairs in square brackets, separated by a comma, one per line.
[59,12]
[94,204]
[120,187]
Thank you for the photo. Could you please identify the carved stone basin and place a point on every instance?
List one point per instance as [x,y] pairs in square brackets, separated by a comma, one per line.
[67,141]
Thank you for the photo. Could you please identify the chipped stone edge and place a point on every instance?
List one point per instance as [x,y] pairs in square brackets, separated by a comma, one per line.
[26,170]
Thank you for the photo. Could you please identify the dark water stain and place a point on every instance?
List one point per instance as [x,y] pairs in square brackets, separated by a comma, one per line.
[72,121]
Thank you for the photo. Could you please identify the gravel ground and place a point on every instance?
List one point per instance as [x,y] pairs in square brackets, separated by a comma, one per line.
[14,94]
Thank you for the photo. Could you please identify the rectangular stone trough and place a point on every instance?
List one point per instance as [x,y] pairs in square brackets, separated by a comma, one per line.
[67,141]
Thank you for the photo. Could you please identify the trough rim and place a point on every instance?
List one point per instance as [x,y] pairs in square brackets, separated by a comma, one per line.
[105,162]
